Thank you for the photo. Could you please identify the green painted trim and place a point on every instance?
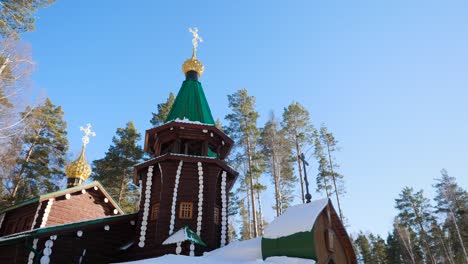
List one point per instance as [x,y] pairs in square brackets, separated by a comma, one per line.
[23,203]
[298,245]
[39,231]
[193,237]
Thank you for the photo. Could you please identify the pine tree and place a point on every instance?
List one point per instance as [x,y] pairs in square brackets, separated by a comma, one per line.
[163,110]
[440,247]
[42,148]
[18,16]
[277,155]
[406,242]
[323,176]
[115,170]
[242,127]
[233,210]
[414,212]
[452,202]
[287,182]
[245,227]
[329,144]
[394,250]
[379,252]
[298,130]
[364,248]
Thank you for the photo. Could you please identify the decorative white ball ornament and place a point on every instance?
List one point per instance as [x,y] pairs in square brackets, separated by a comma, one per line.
[49,243]
[178,249]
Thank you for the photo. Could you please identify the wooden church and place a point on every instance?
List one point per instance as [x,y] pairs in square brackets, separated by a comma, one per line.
[184,190]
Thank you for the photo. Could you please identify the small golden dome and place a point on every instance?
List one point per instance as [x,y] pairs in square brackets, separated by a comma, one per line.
[79,168]
[193,64]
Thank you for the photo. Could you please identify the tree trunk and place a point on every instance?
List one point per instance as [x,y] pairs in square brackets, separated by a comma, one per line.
[334,181]
[248,214]
[406,245]
[275,177]
[448,258]
[19,176]
[122,187]
[298,152]
[5,63]
[462,245]
[252,194]
[260,215]
[423,233]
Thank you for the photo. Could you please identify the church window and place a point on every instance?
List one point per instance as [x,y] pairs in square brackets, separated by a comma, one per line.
[154,211]
[186,210]
[216,215]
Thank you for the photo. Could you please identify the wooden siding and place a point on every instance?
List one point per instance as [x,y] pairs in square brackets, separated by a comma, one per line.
[80,207]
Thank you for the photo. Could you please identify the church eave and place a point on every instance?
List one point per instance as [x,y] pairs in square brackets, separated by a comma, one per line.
[188,158]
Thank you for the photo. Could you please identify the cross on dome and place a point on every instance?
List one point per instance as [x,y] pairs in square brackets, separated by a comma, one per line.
[87,131]
[196,38]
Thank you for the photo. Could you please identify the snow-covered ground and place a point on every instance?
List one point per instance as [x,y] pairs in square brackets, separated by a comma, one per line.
[246,252]
[299,218]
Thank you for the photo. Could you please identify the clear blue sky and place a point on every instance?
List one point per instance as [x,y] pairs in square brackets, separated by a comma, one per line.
[389,78]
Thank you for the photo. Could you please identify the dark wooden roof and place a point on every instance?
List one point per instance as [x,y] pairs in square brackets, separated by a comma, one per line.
[64,192]
[170,156]
[341,233]
[150,133]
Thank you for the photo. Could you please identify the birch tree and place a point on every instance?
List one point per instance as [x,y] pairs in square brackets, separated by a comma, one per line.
[452,203]
[42,148]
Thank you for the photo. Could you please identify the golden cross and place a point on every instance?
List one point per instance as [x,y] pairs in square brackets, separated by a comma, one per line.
[87,131]
[196,38]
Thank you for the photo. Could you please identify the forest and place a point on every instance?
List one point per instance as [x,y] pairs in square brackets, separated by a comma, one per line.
[34,152]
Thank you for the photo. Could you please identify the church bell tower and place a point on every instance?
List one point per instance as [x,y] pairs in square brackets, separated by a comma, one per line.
[185,185]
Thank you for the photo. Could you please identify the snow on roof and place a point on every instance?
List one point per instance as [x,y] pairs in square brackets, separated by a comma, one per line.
[188,121]
[298,218]
[178,236]
[246,252]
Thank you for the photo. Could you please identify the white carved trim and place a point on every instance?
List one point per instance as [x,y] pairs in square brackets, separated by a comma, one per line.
[140,190]
[46,212]
[174,197]
[45,259]
[31,254]
[223,209]
[200,205]
[36,215]
[2,216]
[144,221]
